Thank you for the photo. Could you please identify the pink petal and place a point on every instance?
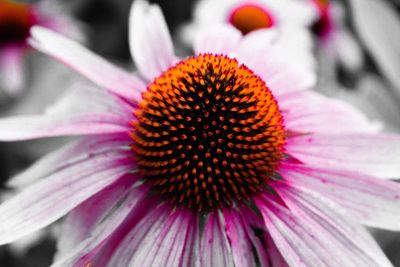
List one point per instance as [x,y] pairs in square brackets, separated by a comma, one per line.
[280,74]
[257,233]
[214,245]
[369,200]
[31,127]
[106,236]
[83,110]
[343,238]
[298,13]
[69,155]
[220,39]
[311,234]
[241,248]
[88,64]
[295,45]
[143,217]
[283,227]
[12,78]
[309,112]
[242,238]
[158,242]
[52,197]
[82,220]
[275,255]
[368,153]
[150,42]
[267,253]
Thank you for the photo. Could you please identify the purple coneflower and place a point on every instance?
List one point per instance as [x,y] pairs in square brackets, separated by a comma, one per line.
[249,15]
[220,159]
[16,20]
[338,44]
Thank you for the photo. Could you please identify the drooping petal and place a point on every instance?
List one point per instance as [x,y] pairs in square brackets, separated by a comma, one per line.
[367,153]
[147,227]
[54,196]
[83,110]
[214,248]
[158,240]
[220,39]
[241,244]
[346,239]
[275,255]
[69,155]
[370,200]
[293,246]
[91,66]
[267,253]
[106,236]
[378,26]
[31,127]
[308,234]
[80,222]
[256,231]
[12,75]
[250,241]
[309,112]
[149,39]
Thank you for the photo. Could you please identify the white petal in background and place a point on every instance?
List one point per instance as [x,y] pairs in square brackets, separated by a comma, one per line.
[374,98]
[12,76]
[378,26]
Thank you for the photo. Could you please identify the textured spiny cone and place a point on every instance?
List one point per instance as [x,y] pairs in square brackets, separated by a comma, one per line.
[250,17]
[16,19]
[208,133]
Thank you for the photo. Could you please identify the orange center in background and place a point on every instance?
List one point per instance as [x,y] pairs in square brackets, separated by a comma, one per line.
[16,19]
[250,17]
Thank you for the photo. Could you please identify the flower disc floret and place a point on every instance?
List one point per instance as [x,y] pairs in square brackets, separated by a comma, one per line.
[208,133]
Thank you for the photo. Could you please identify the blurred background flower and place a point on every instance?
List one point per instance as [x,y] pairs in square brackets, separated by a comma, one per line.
[248,16]
[16,20]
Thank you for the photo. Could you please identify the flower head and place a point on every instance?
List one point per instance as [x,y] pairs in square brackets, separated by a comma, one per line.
[225,158]
[208,133]
[248,16]
[16,20]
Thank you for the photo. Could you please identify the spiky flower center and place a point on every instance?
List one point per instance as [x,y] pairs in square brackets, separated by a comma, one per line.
[250,17]
[208,134]
[16,19]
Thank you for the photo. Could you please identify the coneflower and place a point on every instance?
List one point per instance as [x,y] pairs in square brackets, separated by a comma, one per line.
[16,20]
[224,158]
